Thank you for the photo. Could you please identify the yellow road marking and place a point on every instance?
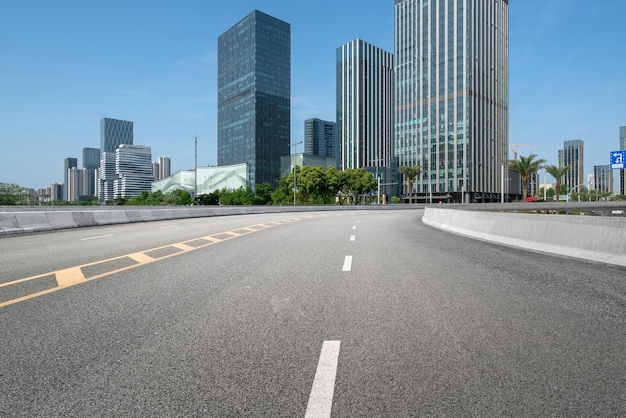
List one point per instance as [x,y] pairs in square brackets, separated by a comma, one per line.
[70,277]
[74,275]
[183,247]
[141,258]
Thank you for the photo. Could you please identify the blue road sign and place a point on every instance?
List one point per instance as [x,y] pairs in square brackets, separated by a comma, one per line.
[617,159]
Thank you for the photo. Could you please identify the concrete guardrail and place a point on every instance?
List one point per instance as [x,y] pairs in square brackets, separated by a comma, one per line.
[15,221]
[596,238]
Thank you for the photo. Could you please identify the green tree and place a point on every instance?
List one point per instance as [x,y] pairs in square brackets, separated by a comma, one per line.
[11,194]
[526,167]
[263,195]
[558,173]
[207,199]
[311,183]
[410,172]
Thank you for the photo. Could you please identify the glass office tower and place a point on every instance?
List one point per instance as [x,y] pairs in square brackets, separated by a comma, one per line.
[364,105]
[451,96]
[254,96]
[115,132]
[572,154]
[320,137]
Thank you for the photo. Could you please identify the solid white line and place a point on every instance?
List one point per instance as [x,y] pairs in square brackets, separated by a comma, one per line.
[168,226]
[98,237]
[352,237]
[347,263]
[321,397]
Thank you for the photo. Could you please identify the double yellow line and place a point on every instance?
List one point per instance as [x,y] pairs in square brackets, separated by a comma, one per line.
[80,274]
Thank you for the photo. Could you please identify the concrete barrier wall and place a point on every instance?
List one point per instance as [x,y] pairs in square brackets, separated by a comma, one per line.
[30,220]
[600,239]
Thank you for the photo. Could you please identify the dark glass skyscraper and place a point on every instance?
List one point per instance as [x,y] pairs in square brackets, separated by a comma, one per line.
[254,90]
[320,137]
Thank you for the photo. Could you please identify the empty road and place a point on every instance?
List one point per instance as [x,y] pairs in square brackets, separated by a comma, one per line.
[344,314]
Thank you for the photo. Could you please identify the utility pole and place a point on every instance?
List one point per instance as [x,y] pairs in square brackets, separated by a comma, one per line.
[195,171]
[294,169]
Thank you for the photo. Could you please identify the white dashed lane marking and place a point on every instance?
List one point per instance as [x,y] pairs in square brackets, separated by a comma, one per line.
[347,263]
[321,397]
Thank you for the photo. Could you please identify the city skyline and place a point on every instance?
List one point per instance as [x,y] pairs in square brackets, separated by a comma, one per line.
[160,71]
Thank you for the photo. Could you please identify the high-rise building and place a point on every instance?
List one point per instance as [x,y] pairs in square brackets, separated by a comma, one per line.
[603,178]
[133,170]
[320,137]
[451,96]
[622,146]
[364,105]
[80,185]
[68,164]
[165,167]
[107,177]
[254,95]
[572,154]
[91,163]
[91,158]
[113,133]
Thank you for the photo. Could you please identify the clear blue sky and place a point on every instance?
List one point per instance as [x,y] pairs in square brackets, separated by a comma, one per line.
[65,64]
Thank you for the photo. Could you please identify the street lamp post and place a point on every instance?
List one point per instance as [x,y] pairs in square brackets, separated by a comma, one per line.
[570,192]
[294,169]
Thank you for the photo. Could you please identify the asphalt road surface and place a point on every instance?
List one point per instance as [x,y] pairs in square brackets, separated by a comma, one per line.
[339,314]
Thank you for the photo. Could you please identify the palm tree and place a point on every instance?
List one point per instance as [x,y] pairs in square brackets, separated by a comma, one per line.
[410,172]
[526,167]
[558,173]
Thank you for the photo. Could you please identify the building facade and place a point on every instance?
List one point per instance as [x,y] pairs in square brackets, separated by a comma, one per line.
[165,167]
[364,105]
[91,163]
[113,133]
[603,178]
[107,177]
[254,96]
[572,154]
[451,96]
[68,164]
[133,170]
[210,179]
[320,137]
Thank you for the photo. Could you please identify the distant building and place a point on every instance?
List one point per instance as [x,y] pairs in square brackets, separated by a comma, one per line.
[56,192]
[622,146]
[80,184]
[254,96]
[107,177]
[133,170]
[113,133]
[603,176]
[91,163]
[320,138]
[572,154]
[91,158]
[165,167]
[209,179]
[68,164]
